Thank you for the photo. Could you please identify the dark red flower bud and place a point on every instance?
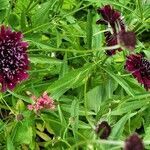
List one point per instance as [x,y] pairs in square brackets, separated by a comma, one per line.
[103,130]
[127,39]
[109,14]
[134,143]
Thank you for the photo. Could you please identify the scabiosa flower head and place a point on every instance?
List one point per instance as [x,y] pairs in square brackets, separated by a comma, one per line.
[111,40]
[140,69]
[113,19]
[134,143]
[110,16]
[103,130]
[13,58]
[127,39]
[43,102]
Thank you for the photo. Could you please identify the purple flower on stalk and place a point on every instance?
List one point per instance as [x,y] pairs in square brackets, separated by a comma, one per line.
[113,18]
[110,16]
[134,143]
[14,60]
[140,69]
[103,130]
[111,40]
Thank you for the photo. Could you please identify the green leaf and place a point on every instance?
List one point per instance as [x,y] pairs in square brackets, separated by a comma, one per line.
[23,133]
[120,81]
[42,13]
[37,59]
[23,21]
[61,116]
[89,28]
[81,112]
[4,4]
[147,134]
[70,80]
[74,111]
[129,107]
[13,20]
[94,98]
[26,99]
[2,125]
[139,97]
[10,145]
[44,136]
[119,126]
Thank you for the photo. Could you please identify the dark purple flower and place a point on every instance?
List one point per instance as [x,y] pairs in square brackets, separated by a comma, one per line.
[127,39]
[113,18]
[110,16]
[14,60]
[134,143]
[111,40]
[103,130]
[140,69]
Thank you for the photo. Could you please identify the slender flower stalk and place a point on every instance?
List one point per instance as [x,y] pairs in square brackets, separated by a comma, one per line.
[14,59]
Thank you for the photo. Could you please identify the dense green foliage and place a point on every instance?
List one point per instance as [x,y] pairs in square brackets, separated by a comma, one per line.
[67,60]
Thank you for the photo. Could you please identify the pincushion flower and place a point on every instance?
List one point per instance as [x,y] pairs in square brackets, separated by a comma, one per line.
[111,40]
[134,143]
[140,69]
[43,102]
[112,18]
[13,58]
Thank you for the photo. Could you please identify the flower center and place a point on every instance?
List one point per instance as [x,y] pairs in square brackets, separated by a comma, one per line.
[12,57]
[146,67]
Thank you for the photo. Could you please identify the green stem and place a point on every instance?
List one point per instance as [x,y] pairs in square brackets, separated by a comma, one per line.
[89,28]
[85,104]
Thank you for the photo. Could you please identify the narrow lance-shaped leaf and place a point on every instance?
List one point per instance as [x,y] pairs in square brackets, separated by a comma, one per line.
[70,80]
[120,81]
